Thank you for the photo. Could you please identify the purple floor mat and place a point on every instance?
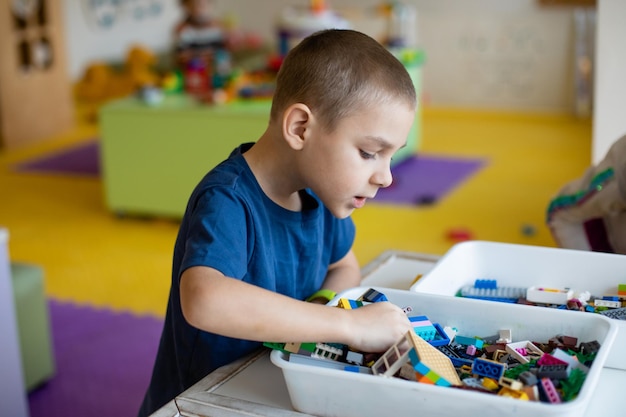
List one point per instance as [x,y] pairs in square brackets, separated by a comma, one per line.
[419,179]
[425,179]
[83,159]
[103,362]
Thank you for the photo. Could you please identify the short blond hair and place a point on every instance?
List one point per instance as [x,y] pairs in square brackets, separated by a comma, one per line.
[337,72]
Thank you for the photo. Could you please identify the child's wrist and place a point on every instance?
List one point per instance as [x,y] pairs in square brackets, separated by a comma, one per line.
[324,295]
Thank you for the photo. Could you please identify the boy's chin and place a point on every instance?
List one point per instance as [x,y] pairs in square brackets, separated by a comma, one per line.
[341,212]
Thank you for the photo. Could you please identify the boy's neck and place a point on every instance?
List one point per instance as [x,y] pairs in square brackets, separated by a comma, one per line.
[270,161]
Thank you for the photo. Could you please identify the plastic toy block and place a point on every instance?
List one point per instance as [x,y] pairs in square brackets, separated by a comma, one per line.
[327,351]
[510,383]
[373,296]
[429,356]
[441,337]
[275,346]
[488,368]
[549,392]
[449,331]
[474,383]
[505,336]
[490,284]
[508,392]
[502,294]
[425,374]
[327,363]
[569,341]
[515,372]
[490,384]
[471,350]
[618,313]
[349,304]
[545,295]
[571,360]
[396,356]
[302,348]
[424,358]
[532,391]
[587,348]
[621,289]
[554,371]
[454,357]
[607,303]
[548,359]
[528,378]
[466,341]
[523,351]
[356,358]
[428,362]
[423,327]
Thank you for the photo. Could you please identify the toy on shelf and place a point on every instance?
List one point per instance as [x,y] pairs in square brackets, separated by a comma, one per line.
[216,61]
[102,82]
[296,23]
[201,48]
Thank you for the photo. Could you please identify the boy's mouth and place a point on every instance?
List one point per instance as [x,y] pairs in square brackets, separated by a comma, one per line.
[359,202]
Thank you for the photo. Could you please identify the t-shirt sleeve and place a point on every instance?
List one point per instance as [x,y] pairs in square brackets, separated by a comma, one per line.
[217,234]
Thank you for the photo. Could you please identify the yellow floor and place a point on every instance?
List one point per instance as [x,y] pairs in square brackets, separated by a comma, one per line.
[89,255]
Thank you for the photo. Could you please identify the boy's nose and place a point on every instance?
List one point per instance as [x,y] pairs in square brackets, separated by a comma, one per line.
[383,177]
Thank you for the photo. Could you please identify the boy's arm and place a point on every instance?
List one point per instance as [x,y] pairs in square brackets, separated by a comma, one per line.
[215,303]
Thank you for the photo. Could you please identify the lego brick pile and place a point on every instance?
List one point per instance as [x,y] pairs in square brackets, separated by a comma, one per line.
[610,305]
[550,371]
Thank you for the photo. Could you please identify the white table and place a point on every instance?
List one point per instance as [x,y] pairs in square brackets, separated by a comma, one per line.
[253,386]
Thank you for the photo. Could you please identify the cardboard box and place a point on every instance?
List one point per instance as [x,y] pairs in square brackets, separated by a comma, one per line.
[330,392]
[513,265]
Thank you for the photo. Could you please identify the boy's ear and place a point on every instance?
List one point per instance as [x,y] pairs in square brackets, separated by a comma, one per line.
[296,120]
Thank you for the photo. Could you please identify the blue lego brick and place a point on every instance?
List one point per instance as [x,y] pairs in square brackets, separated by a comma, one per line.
[373,296]
[457,359]
[486,283]
[348,304]
[466,341]
[502,294]
[423,327]
[488,368]
[441,338]
[327,363]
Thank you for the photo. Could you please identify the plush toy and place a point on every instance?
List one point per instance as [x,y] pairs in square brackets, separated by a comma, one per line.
[589,213]
[101,82]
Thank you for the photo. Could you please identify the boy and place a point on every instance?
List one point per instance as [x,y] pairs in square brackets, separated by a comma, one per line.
[271,225]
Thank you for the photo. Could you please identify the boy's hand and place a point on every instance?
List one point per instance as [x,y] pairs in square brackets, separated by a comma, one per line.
[375,327]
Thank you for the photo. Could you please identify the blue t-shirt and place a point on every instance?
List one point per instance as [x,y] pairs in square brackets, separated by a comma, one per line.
[232,226]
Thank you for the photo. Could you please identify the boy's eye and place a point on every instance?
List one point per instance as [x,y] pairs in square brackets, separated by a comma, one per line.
[367,155]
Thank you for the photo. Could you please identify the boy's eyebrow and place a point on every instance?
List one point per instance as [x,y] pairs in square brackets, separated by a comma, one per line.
[382,142]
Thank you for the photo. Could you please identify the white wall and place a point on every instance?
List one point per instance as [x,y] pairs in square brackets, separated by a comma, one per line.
[104,30]
[609,117]
[511,54]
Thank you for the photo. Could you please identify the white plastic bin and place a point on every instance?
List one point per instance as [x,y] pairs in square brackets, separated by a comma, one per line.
[514,265]
[329,392]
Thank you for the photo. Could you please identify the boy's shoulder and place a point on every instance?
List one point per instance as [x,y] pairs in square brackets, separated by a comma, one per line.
[231,174]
